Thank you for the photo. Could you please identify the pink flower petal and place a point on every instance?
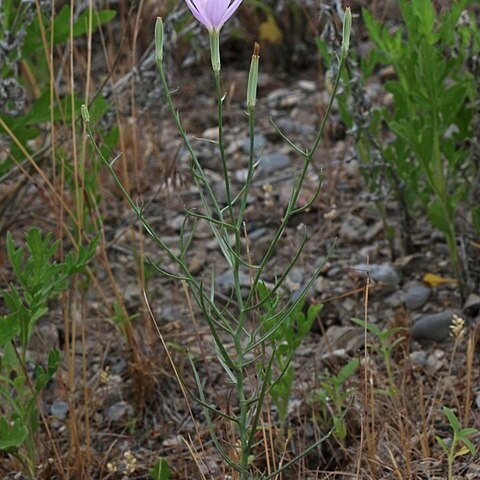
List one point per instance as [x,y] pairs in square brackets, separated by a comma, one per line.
[198,9]
[216,10]
[213,13]
[230,11]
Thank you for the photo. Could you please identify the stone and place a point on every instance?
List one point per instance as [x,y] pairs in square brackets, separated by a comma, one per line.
[396,299]
[294,279]
[289,126]
[416,295]
[131,295]
[259,143]
[272,162]
[59,410]
[419,358]
[345,338]
[353,229]
[434,326]
[196,263]
[224,282]
[118,411]
[380,273]
[308,86]
[472,305]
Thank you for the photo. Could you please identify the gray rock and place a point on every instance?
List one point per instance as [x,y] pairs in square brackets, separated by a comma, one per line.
[322,285]
[224,282]
[196,263]
[353,229]
[118,411]
[334,272]
[346,338]
[308,86]
[59,410]
[297,293]
[472,305]
[419,358]
[289,126]
[272,162]
[434,326]
[259,143]
[131,295]
[294,279]
[380,273]
[416,295]
[257,233]
[396,299]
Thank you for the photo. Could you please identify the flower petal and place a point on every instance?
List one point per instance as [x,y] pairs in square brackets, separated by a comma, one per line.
[229,12]
[215,10]
[198,9]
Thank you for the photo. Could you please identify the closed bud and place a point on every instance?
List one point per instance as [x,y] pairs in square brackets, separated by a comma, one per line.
[85,114]
[159,39]
[347,29]
[253,77]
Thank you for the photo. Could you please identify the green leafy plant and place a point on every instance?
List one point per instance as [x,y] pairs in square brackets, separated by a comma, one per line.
[333,396]
[460,443]
[38,280]
[427,163]
[284,342]
[388,340]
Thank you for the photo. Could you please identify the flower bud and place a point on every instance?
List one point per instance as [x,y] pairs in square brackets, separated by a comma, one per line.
[253,78]
[159,39]
[347,29]
[85,114]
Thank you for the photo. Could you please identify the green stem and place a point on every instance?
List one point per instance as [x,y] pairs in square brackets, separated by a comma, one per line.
[251,164]
[221,145]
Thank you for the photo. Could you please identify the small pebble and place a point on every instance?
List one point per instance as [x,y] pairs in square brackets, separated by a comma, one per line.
[118,411]
[294,279]
[396,299]
[353,229]
[416,295]
[419,358]
[59,410]
[259,143]
[272,162]
[472,305]
[380,273]
[224,282]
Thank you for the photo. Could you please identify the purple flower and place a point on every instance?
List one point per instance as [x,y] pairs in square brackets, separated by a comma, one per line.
[213,13]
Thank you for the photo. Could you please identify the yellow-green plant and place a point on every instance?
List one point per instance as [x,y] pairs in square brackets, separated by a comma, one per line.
[460,444]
